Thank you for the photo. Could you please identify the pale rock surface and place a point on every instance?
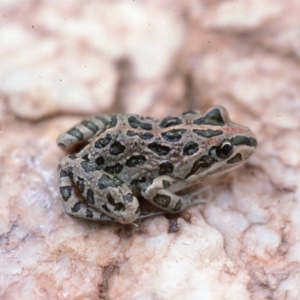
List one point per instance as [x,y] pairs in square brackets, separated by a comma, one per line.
[86,42]
[36,85]
[244,243]
[242,16]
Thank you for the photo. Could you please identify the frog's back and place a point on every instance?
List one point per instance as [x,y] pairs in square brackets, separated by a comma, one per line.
[138,149]
[187,147]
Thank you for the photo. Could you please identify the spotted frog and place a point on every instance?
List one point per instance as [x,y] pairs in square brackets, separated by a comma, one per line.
[127,156]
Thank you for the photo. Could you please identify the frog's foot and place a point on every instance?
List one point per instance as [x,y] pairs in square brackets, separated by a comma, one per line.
[200,195]
[150,214]
[80,210]
[158,194]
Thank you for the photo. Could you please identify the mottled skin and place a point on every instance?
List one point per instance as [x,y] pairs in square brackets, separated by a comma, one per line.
[126,156]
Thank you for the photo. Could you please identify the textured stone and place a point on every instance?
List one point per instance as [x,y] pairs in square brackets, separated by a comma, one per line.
[156,59]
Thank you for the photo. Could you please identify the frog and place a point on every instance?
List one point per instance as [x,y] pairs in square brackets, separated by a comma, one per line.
[114,160]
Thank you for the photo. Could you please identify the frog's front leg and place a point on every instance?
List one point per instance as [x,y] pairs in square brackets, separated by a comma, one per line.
[94,194]
[159,194]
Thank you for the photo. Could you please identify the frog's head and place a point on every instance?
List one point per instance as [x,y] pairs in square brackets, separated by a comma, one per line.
[227,144]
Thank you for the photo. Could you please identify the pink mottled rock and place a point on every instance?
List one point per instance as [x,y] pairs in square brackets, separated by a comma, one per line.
[153,58]
[241,16]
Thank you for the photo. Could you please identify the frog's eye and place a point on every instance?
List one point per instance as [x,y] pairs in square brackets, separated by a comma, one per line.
[224,149]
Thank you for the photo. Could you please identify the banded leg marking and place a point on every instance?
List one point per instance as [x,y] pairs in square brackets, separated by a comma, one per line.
[82,132]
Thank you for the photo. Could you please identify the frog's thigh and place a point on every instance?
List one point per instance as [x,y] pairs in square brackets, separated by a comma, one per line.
[72,203]
[158,194]
[99,190]
[113,197]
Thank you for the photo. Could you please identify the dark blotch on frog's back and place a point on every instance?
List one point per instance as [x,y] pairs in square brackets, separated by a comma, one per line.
[170,121]
[166,167]
[106,181]
[159,149]
[207,133]
[213,117]
[135,160]
[116,148]
[174,135]
[190,148]
[102,142]
[134,122]
[114,169]
[142,135]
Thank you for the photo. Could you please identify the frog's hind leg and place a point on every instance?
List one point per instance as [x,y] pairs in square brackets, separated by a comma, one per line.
[85,189]
[73,205]
[83,131]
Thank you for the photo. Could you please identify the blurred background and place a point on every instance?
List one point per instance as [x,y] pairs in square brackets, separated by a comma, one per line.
[149,57]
